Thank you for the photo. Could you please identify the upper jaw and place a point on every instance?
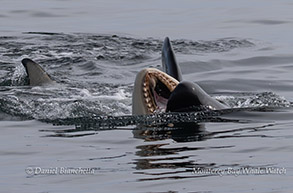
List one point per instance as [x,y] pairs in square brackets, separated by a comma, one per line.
[156,89]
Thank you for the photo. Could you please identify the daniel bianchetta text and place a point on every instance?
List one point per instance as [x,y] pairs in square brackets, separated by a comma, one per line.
[60,171]
[240,171]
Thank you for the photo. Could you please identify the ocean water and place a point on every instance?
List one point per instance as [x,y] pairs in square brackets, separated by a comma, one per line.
[79,135]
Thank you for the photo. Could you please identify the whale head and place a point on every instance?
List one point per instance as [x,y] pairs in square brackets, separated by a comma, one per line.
[157,92]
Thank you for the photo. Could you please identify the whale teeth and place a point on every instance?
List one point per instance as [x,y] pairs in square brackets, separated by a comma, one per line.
[151,79]
[147,100]
[151,110]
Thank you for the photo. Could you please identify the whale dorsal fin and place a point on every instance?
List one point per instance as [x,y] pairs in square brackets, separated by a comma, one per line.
[169,63]
[36,74]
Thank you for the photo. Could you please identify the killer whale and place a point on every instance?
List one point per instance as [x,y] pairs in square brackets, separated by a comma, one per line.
[37,76]
[158,91]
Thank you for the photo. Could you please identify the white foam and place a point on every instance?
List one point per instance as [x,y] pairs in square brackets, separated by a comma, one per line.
[18,75]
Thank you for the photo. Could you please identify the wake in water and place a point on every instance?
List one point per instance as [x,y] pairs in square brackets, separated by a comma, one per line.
[95,75]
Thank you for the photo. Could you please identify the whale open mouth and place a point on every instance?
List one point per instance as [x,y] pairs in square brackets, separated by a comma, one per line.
[157,88]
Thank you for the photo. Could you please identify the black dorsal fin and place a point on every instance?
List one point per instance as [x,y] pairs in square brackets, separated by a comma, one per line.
[169,62]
